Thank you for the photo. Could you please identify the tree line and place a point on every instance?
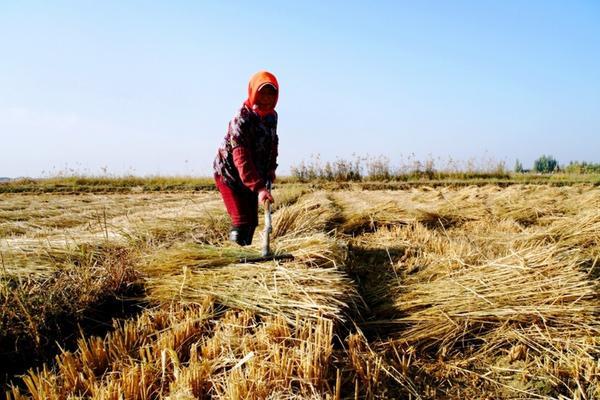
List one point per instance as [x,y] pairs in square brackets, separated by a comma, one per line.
[380,168]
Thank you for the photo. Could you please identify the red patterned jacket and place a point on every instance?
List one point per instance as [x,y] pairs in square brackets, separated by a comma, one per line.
[247,158]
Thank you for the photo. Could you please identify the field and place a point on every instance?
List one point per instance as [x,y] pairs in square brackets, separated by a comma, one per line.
[469,291]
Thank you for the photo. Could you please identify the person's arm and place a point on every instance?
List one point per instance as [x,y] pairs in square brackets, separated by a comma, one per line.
[242,155]
[274,154]
[242,158]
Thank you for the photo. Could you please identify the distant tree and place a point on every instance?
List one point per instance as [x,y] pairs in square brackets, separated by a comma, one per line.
[545,164]
[518,166]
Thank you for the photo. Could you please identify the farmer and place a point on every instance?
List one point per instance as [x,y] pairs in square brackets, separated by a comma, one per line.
[247,158]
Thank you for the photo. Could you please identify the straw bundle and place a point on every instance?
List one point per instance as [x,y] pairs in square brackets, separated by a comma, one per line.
[537,287]
[532,313]
[36,313]
[317,250]
[452,208]
[374,217]
[288,195]
[41,259]
[313,213]
[435,209]
[192,255]
[581,231]
[530,205]
[210,228]
[269,289]
[143,223]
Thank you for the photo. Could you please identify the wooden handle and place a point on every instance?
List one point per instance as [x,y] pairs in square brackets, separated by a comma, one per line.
[266,248]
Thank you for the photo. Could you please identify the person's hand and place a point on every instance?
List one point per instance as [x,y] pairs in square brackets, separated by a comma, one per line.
[264,196]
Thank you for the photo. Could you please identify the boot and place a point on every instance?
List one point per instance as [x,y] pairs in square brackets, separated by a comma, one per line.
[250,234]
[241,235]
[235,235]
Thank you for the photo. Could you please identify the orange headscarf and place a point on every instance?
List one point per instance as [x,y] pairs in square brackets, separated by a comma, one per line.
[257,81]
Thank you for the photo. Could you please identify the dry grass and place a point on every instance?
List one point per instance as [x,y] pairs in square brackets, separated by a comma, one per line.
[315,250]
[40,215]
[194,351]
[539,286]
[478,292]
[288,289]
[190,273]
[26,304]
[37,315]
[314,213]
[132,221]
[503,296]
[53,278]
[287,195]
[178,257]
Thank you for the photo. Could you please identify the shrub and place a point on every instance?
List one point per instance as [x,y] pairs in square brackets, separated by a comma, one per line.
[545,164]
[378,169]
[518,166]
[582,167]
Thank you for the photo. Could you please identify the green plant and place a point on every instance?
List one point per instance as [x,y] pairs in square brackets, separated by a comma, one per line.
[518,166]
[582,167]
[545,164]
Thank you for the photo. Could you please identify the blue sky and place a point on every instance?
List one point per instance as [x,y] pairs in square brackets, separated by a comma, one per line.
[148,87]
